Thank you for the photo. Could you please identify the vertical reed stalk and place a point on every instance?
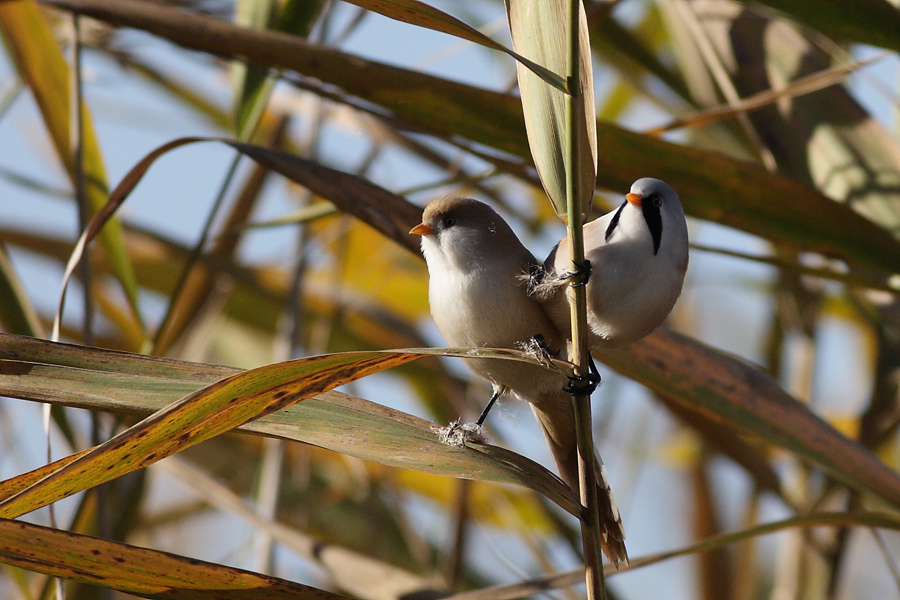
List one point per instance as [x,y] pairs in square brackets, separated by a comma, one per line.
[580,356]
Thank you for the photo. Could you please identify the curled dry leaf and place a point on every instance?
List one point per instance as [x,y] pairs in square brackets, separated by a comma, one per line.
[539,32]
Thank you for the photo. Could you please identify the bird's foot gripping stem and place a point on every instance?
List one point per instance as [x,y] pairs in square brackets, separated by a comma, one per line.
[580,275]
[584,385]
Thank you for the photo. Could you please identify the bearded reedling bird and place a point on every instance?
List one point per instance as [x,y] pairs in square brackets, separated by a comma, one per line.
[479,298]
[638,255]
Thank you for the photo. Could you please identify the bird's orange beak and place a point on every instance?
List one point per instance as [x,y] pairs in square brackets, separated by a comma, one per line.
[634,199]
[421,229]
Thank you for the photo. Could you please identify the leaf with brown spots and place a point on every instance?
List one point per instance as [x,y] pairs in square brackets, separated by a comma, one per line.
[161,575]
[201,415]
[137,385]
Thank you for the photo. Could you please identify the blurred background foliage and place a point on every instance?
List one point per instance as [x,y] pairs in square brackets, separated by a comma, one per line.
[775,121]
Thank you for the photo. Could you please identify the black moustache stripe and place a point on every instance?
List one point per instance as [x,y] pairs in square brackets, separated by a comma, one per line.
[614,222]
[654,221]
[652,216]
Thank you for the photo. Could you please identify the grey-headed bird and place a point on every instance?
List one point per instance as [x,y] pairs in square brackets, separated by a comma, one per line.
[638,256]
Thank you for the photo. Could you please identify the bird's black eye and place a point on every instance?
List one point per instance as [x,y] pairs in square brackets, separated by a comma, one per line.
[449,221]
[657,201]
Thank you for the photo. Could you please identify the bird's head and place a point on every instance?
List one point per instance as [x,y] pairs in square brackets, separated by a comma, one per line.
[660,207]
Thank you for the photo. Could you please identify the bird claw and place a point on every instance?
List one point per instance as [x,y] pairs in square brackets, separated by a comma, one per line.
[581,275]
[584,385]
[458,434]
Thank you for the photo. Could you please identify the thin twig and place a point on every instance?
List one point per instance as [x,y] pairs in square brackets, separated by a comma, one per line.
[76,141]
[805,85]
[194,257]
[723,79]
[457,551]
[266,505]
[833,271]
